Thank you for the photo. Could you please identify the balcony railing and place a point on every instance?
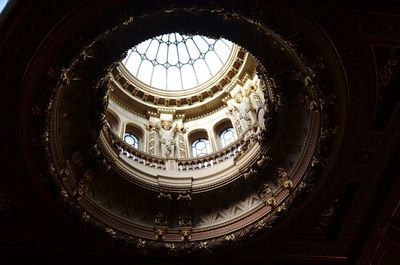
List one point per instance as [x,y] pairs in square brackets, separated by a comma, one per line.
[232,151]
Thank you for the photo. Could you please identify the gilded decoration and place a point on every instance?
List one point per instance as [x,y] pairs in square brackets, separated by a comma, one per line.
[93,152]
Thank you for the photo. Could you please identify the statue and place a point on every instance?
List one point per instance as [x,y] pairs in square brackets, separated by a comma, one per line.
[256,99]
[166,131]
[242,105]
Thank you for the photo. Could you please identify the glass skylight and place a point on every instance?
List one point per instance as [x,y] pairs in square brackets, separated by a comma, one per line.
[177,62]
[3,4]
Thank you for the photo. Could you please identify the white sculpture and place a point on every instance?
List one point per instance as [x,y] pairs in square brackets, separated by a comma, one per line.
[256,98]
[167,131]
[242,105]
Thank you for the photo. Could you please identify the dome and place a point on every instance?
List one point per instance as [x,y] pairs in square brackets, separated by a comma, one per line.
[320,186]
[171,167]
[177,133]
[177,62]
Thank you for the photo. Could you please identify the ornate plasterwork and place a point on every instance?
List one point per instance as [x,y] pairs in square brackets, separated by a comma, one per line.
[137,98]
[78,83]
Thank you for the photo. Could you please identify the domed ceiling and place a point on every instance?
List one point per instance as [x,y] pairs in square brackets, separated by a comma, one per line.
[177,62]
[280,92]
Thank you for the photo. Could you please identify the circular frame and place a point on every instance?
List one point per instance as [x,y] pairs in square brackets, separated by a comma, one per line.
[229,24]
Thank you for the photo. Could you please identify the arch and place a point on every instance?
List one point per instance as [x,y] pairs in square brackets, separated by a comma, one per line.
[195,140]
[136,131]
[113,120]
[222,127]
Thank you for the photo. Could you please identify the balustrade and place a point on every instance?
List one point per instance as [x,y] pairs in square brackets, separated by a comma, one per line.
[137,156]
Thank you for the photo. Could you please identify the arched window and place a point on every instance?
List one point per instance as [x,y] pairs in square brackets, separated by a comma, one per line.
[134,136]
[112,120]
[132,140]
[227,136]
[226,133]
[200,147]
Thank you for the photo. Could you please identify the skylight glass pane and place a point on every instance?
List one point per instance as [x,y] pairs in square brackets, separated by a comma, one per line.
[159,77]
[152,51]
[172,55]
[162,53]
[174,79]
[193,51]
[202,72]
[183,53]
[190,60]
[222,50]
[210,41]
[213,62]
[145,72]
[172,38]
[2,4]
[188,77]
[142,47]
[133,63]
[178,37]
[201,44]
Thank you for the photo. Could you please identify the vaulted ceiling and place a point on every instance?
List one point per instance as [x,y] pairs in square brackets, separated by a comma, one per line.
[351,216]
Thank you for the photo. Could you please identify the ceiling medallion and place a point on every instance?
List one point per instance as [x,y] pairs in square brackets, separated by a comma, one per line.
[271,165]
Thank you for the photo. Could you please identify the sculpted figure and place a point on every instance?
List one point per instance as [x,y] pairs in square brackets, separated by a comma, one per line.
[242,105]
[166,131]
[256,100]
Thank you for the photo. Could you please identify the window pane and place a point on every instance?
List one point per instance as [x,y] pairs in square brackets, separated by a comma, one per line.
[174,78]
[131,140]
[202,72]
[159,77]
[198,58]
[152,51]
[200,147]
[227,136]
[172,54]
[188,77]
[145,71]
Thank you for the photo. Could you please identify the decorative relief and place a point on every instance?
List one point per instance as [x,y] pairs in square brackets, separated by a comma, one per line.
[84,183]
[121,77]
[185,216]
[244,106]
[162,212]
[167,132]
[181,143]
[161,216]
[151,143]
[208,218]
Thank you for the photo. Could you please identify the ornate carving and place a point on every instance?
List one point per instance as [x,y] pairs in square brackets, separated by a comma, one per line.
[161,217]
[84,183]
[152,141]
[111,232]
[185,234]
[266,192]
[181,143]
[271,202]
[230,237]
[167,131]
[159,233]
[185,216]
[185,208]
[288,184]
[100,104]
